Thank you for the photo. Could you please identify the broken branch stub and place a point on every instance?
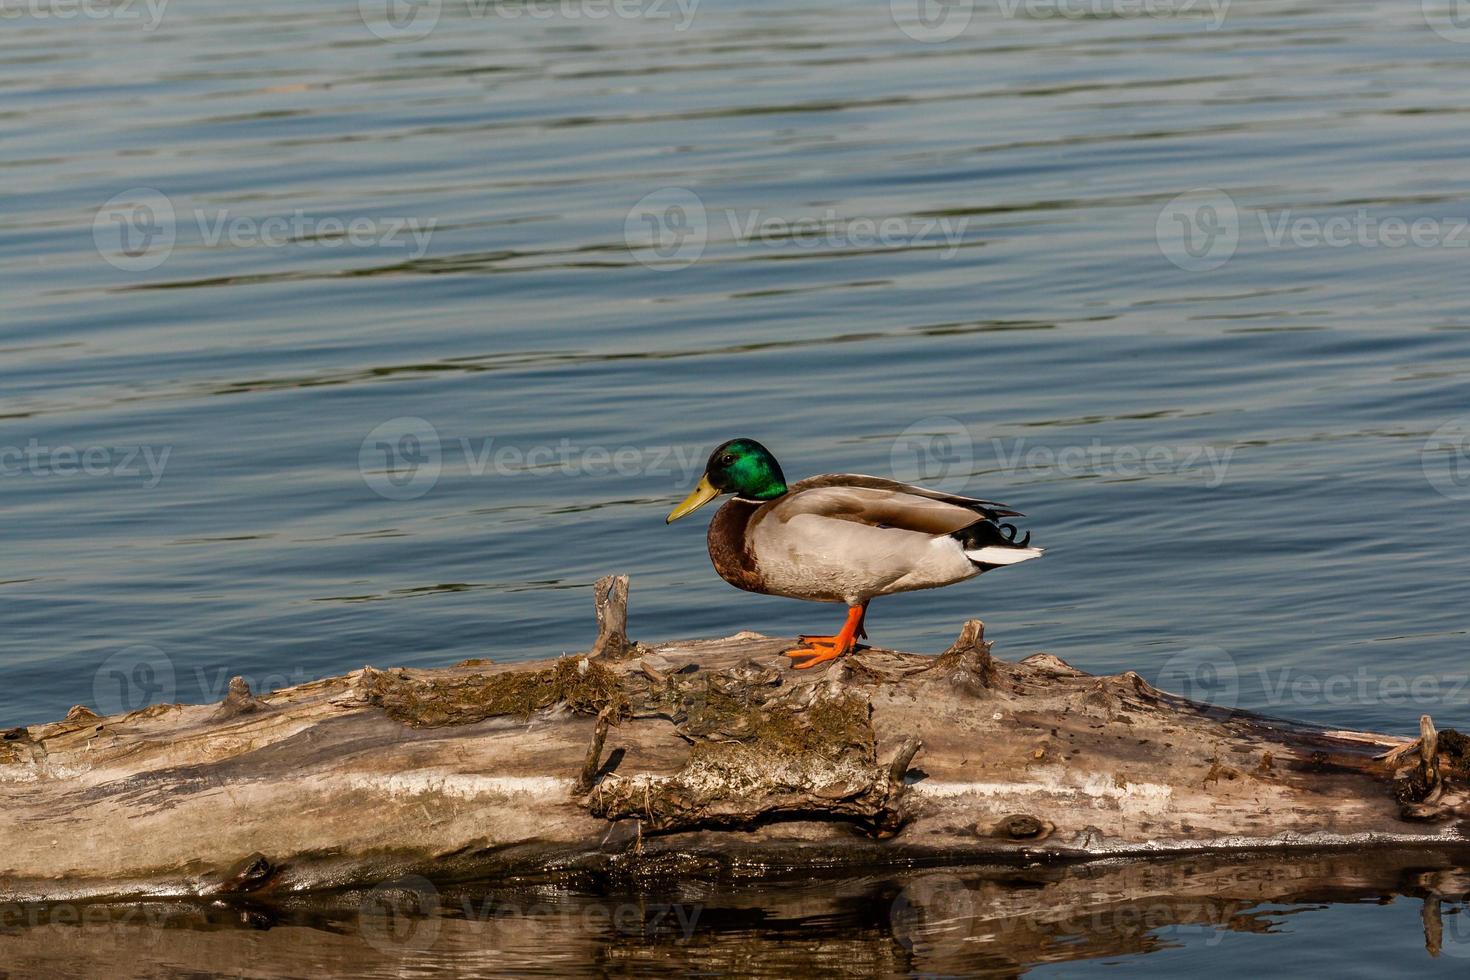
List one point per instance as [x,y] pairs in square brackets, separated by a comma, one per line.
[967,665]
[239,701]
[592,765]
[610,598]
[1434,782]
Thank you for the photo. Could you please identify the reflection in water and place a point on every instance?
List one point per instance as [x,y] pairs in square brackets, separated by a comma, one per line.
[975,922]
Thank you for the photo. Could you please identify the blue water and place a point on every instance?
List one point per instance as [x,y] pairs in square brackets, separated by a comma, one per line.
[958,260]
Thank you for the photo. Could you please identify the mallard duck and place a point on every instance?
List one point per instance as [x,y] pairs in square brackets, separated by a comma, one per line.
[842,537]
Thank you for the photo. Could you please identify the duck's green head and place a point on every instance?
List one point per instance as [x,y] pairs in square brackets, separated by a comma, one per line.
[741,466]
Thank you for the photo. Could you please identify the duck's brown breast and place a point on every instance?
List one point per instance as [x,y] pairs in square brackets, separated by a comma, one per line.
[729,547]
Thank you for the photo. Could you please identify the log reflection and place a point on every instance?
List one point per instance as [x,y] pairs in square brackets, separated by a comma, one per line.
[978,922]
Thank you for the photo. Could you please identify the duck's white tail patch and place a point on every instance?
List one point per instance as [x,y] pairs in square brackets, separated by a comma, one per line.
[1000,555]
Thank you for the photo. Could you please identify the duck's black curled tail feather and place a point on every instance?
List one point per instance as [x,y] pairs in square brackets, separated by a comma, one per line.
[990,534]
[991,544]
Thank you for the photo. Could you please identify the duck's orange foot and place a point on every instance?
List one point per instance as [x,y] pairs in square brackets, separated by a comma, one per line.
[820,649]
[818,653]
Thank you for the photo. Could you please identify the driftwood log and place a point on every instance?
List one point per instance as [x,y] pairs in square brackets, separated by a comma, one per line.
[694,758]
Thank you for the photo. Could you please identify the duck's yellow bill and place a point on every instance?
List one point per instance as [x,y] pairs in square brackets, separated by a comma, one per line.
[701,495]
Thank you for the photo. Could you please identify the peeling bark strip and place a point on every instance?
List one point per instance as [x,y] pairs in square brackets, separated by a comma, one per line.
[636,758]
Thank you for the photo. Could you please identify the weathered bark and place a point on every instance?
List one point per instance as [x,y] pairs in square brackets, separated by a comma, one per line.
[486,771]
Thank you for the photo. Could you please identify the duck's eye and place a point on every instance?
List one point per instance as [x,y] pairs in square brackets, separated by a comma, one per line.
[727,460]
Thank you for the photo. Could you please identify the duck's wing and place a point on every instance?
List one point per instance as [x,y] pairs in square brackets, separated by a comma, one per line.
[871,499]
[882,504]
[855,537]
